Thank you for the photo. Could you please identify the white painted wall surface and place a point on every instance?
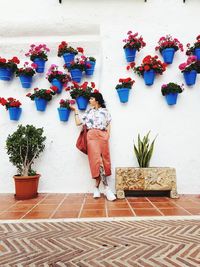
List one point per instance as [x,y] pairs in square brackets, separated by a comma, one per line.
[100,26]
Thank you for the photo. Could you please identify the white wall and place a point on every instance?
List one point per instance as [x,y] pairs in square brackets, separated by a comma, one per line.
[100,26]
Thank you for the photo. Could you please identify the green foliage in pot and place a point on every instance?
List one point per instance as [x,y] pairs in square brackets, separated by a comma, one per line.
[144,150]
[24,146]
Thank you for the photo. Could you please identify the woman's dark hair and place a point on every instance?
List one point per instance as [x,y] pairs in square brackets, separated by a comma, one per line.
[99,98]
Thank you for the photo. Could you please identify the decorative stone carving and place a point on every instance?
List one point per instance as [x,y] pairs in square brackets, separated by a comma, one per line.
[154,178]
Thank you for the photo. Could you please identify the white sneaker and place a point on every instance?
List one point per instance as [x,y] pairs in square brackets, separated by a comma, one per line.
[109,194]
[96,193]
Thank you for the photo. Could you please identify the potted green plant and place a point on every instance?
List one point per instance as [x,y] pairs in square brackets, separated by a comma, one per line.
[8,68]
[23,147]
[64,109]
[76,69]
[13,106]
[68,52]
[26,74]
[145,178]
[171,91]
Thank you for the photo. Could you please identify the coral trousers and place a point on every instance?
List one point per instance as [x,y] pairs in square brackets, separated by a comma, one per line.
[98,152]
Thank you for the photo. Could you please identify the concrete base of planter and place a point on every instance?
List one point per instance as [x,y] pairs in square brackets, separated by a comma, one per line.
[154,178]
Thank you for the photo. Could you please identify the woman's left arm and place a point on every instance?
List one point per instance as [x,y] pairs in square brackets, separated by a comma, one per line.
[108,130]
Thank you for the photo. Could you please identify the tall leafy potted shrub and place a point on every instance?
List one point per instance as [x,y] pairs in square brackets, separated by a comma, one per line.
[23,147]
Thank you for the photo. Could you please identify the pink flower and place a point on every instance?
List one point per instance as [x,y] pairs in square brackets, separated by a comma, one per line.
[34,66]
[72,102]
[129,32]
[182,66]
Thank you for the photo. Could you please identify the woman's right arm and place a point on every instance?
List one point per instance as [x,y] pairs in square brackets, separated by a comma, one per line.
[76,115]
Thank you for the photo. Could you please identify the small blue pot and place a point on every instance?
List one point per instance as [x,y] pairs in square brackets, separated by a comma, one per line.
[6,74]
[123,94]
[40,104]
[40,64]
[171,98]
[26,81]
[149,77]
[76,75]
[197,53]
[190,77]
[64,113]
[130,54]
[14,113]
[82,102]
[68,57]
[90,71]
[58,84]
[168,55]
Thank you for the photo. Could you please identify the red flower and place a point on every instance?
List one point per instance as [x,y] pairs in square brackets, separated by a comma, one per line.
[93,84]
[48,91]
[2,60]
[80,49]
[146,67]
[29,94]
[54,88]
[96,91]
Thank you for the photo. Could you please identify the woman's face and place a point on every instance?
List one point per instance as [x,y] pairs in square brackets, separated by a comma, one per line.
[93,102]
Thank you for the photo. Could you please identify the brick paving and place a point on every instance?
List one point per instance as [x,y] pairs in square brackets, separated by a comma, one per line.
[52,206]
[144,243]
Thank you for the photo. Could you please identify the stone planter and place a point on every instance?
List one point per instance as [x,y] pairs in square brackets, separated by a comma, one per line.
[141,179]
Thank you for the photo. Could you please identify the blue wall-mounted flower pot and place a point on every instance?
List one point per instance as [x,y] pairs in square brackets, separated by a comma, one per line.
[90,71]
[6,74]
[123,94]
[82,102]
[40,104]
[58,84]
[168,55]
[76,75]
[14,113]
[68,57]
[197,53]
[190,77]
[171,98]
[64,113]
[130,54]
[25,81]
[149,77]
[40,64]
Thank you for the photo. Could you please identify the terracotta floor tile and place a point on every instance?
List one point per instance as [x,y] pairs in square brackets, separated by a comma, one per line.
[95,200]
[164,204]
[145,205]
[193,211]
[159,199]
[51,201]
[117,205]
[68,207]
[38,215]
[30,201]
[73,200]
[97,206]
[45,207]
[5,206]
[92,213]
[56,195]
[147,212]
[21,207]
[174,211]
[189,205]
[66,214]
[120,213]
[137,199]
[11,215]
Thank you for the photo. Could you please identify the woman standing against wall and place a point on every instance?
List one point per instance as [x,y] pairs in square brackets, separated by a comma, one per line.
[97,120]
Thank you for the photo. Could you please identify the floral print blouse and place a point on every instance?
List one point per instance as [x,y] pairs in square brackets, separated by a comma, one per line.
[96,118]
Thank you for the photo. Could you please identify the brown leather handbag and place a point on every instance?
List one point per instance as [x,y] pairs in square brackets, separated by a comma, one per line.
[81,142]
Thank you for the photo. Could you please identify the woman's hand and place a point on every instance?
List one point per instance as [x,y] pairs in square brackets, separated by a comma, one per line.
[73,108]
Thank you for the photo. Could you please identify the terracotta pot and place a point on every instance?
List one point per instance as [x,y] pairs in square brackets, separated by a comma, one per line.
[26,186]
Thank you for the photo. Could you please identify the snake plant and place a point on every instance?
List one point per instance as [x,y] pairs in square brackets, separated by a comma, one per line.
[144,150]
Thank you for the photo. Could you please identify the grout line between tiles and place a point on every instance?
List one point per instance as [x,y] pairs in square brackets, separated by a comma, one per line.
[34,206]
[156,208]
[84,200]
[130,207]
[53,213]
